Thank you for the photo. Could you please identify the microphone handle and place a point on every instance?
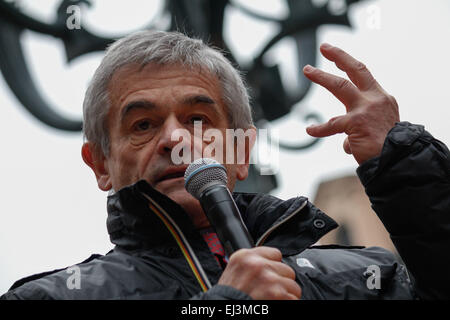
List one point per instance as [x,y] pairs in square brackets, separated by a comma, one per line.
[223,214]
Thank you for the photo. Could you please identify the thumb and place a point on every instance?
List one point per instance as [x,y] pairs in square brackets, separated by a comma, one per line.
[333,126]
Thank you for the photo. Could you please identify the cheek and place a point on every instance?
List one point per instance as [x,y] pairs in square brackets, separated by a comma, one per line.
[122,173]
[128,166]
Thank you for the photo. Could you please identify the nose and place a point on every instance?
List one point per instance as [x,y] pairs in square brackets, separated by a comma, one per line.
[172,134]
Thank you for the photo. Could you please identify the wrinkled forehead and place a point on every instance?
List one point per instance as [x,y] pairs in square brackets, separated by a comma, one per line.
[134,75]
[132,78]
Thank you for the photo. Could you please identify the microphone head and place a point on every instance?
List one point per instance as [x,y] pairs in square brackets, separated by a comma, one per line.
[203,173]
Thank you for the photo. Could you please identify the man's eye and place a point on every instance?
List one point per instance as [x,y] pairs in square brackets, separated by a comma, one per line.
[142,125]
[194,119]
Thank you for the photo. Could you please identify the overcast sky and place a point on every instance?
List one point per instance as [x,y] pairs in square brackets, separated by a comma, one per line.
[52,213]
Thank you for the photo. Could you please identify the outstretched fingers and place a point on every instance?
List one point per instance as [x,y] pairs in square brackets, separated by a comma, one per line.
[371,112]
[356,70]
[341,88]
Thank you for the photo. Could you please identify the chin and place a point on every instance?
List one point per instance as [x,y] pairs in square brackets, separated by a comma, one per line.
[175,190]
[182,197]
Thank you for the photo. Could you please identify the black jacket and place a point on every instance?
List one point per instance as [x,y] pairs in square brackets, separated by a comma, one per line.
[160,255]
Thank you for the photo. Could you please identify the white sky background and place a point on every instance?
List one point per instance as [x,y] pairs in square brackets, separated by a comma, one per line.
[52,213]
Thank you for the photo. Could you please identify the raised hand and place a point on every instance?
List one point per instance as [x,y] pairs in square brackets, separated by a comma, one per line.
[371,112]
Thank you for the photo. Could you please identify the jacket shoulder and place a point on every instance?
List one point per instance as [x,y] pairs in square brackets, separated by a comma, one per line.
[120,274]
[39,286]
[341,258]
[351,272]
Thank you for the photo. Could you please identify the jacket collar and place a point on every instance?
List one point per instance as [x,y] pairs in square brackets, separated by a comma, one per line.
[134,220]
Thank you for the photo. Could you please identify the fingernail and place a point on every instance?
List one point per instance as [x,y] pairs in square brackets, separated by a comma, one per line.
[308,68]
[326,45]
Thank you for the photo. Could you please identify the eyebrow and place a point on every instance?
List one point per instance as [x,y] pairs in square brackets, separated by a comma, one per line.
[201,99]
[198,98]
[148,105]
[139,104]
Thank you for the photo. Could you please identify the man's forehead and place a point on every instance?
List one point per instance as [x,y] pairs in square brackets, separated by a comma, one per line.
[129,81]
[134,76]
[154,71]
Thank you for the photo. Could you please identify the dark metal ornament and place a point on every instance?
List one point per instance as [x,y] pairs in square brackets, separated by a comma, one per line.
[199,18]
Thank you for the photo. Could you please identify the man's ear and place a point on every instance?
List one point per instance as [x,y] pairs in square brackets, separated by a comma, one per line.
[95,159]
[243,164]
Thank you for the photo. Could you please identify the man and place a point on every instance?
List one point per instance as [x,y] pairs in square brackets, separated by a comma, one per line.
[152,84]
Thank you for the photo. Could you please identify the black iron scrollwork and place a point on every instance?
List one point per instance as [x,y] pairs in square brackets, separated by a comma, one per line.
[201,18]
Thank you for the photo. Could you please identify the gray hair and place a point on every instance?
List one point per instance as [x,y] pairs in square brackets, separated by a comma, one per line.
[161,47]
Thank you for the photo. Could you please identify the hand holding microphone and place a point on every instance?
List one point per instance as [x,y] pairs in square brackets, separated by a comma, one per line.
[259,271]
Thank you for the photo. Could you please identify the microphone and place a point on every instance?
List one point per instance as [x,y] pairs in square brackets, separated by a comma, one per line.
[206,180]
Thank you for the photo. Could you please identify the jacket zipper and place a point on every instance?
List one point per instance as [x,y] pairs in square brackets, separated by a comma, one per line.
[260,241]
[185,242]
[266,234]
